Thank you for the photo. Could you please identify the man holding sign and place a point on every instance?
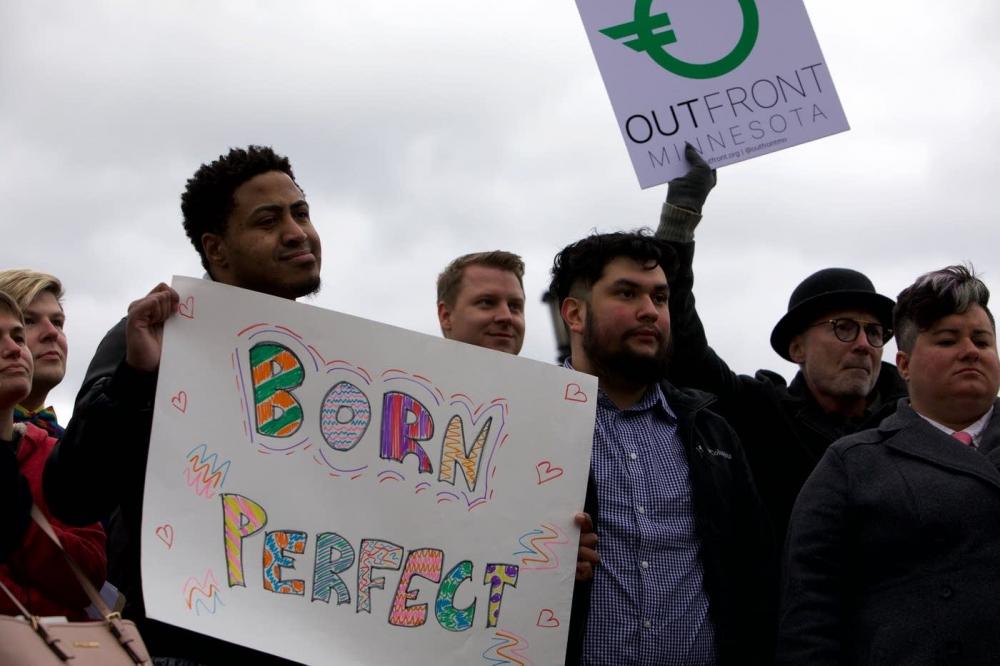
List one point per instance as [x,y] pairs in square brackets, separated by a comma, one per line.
[250,222]
[686,561]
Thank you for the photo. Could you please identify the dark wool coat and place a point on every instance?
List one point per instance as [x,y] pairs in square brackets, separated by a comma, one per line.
[893,552]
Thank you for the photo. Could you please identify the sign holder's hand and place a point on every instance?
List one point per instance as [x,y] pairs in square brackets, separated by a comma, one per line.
[144,327]
[587,556]
[691,190]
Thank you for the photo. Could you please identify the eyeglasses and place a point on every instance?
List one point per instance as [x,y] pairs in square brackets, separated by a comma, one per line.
[847,330]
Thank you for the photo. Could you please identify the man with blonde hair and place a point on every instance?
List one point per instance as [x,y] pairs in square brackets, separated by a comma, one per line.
[481,300]
[39,295]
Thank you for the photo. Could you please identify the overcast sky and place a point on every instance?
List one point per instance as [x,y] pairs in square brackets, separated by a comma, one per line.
[421,131]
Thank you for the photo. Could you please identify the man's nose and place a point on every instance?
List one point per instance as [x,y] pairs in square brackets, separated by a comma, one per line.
[969,350]
[502,313]
[292,232]
[9,347]
[862,344]
[647,309]
[47,330]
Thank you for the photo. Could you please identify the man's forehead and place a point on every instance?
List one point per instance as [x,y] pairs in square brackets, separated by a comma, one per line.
[268,187]
[489,279]
[860,314]
[45,301]
[10,324]
[975,315]
[631,270]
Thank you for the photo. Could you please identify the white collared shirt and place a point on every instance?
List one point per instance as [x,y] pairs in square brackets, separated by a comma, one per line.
[976,429]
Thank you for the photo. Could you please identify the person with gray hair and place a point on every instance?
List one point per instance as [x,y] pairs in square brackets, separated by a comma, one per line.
[894,541]
[834,330]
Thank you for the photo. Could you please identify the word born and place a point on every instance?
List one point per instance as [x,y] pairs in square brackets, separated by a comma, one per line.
[346,413]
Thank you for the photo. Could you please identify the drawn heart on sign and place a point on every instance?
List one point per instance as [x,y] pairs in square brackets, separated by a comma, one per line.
[165,533]
[180,401]
[547,619]
[186,308]
[574,393]
[547,471]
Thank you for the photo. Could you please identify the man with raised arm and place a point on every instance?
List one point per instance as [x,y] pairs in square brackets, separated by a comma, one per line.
[686,566]
[834,329]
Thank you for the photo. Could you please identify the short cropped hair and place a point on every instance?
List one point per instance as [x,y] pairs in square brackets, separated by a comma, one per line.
[207,201]
[24,285]
[580,265]
[8,305]
[934,295]
[450,281]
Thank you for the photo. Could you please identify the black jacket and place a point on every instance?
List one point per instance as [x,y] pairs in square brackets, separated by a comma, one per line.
[737,553]
[98,472]
[893,551]
[15,500]
[782,428]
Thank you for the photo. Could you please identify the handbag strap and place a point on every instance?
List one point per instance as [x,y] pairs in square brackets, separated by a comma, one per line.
[20,607]
[50,640]
[126,636]
[88,587]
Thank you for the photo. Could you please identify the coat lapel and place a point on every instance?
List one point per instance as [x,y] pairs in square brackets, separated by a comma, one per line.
[908,433]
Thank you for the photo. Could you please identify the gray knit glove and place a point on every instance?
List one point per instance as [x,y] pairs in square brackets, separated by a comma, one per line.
[690,190]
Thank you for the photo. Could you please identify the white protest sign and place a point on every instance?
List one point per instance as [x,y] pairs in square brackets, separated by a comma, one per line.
[735,78]
[338,491]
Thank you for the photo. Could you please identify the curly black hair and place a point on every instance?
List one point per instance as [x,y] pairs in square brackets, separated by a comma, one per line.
[207,201]
[583,262]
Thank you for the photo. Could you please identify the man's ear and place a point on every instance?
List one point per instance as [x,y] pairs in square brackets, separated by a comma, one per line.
[215,249]
[797,349]
[574,313]
[444,318]
[903,365]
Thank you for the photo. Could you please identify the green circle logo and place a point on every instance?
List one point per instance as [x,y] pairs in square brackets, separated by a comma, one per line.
[641,30]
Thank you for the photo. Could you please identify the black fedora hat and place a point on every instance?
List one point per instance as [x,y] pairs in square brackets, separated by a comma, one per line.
[825,291]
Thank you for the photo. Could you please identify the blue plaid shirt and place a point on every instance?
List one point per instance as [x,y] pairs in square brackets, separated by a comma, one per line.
[648,604]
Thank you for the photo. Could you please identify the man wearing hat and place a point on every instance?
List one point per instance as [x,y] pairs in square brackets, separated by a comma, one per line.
[834,329]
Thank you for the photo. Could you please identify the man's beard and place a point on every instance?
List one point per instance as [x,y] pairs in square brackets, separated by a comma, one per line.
[623,363]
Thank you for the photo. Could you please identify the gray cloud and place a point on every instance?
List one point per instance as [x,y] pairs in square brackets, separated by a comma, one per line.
[422,131]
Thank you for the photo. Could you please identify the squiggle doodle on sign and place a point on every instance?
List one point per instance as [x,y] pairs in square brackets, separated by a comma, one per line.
[205,473]
[539,555]
[507,647]
[203,594]
[200,605]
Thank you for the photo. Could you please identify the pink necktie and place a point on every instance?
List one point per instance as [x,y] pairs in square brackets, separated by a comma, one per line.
[963,437]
